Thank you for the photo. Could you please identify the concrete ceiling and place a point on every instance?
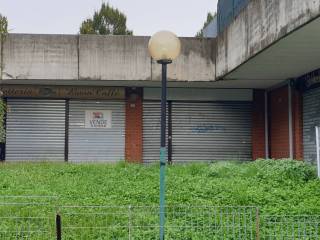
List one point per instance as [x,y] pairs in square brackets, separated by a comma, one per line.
[292,56]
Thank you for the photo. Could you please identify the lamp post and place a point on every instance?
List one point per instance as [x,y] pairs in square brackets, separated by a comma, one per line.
[164,47]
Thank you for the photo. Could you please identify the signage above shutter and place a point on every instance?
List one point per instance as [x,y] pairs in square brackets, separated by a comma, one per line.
[104,93]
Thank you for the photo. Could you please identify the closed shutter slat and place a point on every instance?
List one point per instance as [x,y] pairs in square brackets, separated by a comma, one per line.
[92,144]
[35,130]
[311,119]
[201,131]
[151,131]
[211,131]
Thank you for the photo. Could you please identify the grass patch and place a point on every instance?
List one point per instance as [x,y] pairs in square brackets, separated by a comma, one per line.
[277,187]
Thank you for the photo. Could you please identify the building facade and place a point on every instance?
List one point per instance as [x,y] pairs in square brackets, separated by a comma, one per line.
[108,124]
[251,92]
[97,99]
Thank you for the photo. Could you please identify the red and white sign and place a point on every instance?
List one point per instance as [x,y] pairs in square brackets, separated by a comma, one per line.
[98,119]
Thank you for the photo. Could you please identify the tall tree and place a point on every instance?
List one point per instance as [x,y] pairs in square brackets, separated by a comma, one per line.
[106,21]
[3,25]
[210,17]
[3,33]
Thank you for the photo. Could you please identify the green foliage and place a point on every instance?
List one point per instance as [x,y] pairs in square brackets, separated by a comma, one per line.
[284,170]
[3,25]
[266,170]
[210,17]
[277,187]
[3,33]
[106,21]
[282,187]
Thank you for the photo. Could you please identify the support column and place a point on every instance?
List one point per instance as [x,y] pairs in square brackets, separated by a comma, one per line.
[266,125]
[286,126]
[258,125]
[290,120]
[134,125]
[279,141]
[297,122]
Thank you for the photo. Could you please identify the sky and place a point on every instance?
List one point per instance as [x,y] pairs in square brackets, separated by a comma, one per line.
[144,17]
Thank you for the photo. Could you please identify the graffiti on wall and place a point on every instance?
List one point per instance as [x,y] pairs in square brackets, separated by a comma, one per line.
[208,128]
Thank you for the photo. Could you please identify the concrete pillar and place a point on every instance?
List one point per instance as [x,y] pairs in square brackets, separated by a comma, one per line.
[297,122]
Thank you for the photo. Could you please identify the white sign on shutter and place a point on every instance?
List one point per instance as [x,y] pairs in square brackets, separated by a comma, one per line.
[98,119]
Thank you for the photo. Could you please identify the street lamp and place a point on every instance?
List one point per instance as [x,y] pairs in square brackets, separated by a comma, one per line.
[164,47]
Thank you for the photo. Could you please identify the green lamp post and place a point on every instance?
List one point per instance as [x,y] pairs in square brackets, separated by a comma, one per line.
[164,47]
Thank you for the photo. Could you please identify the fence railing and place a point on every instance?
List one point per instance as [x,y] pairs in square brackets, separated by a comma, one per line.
[27,217]
[291,227]
[42,218]
[182,222]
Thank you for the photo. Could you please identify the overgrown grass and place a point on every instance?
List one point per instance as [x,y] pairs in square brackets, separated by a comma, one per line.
[277,187]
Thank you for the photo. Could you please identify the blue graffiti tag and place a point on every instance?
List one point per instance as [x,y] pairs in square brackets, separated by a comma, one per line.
[206,128]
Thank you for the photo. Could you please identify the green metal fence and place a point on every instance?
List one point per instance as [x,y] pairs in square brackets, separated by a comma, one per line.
[27,217]
[291,227]
[41,218]
[182,222]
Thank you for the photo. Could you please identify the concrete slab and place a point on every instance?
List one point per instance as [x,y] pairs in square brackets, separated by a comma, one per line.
[291,57]
[29,56]
[195,63]
[114,58]
[258,26]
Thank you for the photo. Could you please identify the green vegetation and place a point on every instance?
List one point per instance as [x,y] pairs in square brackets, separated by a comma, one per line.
[3,34]
[277,187]
[3,25]
[106,21]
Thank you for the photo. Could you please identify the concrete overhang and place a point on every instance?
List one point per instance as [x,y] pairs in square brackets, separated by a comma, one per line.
[92,60]
[42,58]
[230,84]
[290,57]
[269,41]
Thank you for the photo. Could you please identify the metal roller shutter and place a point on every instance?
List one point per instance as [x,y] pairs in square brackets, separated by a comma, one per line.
[211,131]
[151,131]
[311,119]
[96,144]
[35,130]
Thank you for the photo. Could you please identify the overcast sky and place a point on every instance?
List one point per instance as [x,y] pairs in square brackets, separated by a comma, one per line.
[144,17]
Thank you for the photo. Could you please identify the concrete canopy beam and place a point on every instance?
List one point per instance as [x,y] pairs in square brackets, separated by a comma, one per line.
[27,56]
[294,55]
[258,26]
[195,63]
[114,58]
